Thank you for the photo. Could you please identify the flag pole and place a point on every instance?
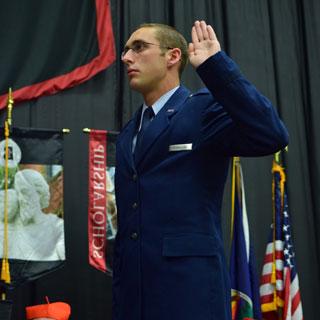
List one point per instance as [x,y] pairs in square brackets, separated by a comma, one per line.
[10,107]
[233,189]
[5,268]
[277,167]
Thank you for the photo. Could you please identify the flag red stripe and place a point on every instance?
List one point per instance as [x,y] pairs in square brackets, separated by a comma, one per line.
[266,298]
[295,302]
[266,278]
[269,257]
[286,292]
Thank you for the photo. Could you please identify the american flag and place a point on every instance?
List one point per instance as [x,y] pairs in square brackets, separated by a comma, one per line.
[279,290]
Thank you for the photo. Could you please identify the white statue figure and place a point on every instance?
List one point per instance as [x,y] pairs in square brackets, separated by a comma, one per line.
[33,234]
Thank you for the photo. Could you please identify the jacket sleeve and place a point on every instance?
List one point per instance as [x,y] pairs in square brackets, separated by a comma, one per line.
[240,121]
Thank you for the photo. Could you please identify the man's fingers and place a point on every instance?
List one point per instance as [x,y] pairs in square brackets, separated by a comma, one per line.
[194,35]
[204,30]
[198,30]
[201,31]
[211,33]
[204,43]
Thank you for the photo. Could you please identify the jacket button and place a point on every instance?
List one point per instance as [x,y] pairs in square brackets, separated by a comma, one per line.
[134,236]
[135,177]
[134,205]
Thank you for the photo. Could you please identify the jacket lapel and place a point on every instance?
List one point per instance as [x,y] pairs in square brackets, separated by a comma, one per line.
[161,122]
[126,139]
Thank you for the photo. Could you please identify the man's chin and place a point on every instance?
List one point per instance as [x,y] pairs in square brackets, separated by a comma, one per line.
[135,85]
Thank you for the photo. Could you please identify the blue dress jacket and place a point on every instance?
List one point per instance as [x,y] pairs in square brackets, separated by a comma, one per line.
[169,262]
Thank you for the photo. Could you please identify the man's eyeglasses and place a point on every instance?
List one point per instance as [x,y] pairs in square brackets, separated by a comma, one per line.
[139,46]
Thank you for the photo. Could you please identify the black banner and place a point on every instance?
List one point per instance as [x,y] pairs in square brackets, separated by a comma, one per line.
[31,203]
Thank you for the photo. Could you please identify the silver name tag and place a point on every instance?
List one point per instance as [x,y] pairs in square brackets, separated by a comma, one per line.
[180,147]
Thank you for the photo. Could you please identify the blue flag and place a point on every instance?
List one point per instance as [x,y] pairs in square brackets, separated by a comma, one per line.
[244,281]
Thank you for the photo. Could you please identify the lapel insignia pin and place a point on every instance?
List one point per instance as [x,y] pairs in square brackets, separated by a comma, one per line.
[170,110]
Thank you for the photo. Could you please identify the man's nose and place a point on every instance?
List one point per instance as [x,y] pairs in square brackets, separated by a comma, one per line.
[127,57]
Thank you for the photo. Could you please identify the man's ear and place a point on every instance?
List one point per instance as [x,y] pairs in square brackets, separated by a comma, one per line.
[174,56]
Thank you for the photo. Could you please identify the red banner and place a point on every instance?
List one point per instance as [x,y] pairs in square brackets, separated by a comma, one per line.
[97,210]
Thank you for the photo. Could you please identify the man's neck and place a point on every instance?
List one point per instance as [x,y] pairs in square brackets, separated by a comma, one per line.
[151,97]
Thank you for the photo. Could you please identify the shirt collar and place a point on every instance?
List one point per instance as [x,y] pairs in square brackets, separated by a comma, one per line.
[157,106]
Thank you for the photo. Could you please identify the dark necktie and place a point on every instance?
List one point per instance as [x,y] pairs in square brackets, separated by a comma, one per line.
[147,117]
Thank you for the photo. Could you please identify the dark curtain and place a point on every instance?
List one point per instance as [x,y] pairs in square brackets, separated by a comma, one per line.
[277,45]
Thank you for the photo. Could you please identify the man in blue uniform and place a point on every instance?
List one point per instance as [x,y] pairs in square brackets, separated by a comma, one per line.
[172,163]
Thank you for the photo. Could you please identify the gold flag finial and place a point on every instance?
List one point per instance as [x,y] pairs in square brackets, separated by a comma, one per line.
[277,155]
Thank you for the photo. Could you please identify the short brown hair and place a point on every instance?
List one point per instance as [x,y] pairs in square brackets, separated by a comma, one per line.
[169,37]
